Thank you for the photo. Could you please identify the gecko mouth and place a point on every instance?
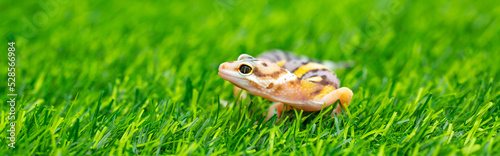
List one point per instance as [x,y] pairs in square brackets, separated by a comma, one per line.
[226,75]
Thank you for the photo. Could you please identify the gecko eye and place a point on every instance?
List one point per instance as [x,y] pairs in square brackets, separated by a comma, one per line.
[245,69]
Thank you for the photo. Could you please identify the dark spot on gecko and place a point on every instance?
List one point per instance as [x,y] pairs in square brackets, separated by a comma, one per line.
[326,82]
[316,92]
[293,82]
[278,89]
[264,64]
[270,86]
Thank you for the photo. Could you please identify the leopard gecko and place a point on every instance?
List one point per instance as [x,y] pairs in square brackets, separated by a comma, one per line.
[286,78]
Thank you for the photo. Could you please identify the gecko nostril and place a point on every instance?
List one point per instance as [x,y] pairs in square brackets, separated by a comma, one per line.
[222,66]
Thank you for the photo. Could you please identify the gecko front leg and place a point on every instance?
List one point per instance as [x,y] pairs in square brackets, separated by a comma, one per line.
[271,111]
[236,92]
[278,106]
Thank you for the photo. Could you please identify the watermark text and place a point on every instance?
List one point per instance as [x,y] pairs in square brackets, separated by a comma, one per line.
[11,83]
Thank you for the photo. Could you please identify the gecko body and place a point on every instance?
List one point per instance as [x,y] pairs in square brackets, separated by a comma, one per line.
[286,78]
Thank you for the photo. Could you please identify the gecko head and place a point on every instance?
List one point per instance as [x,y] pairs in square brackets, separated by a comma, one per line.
[250,74]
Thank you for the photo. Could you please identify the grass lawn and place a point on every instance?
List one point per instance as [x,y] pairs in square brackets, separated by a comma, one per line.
[140,78]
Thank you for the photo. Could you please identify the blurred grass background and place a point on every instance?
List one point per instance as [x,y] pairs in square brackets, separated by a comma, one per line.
[115,77]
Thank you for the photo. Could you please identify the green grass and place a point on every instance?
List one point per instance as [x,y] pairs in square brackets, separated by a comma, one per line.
[140,78]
